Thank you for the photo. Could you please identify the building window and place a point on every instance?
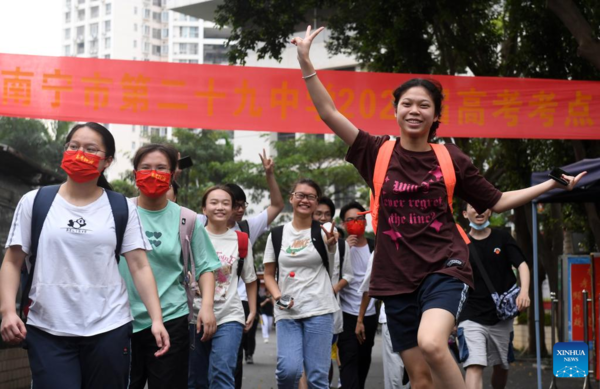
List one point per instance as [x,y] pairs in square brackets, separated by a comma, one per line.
[165,33]
[283,136]
[145,131]
[133,143]
[67,51]
[107,56]
[94,47]
[156,3]
[68,3]
[133,129]
[154,131]
[134,10]
[80,48]
[108,9]
[67,33]
[81,15]
[67,17]
[188,48]
[156,33]
[215,54]
[80,33]
[146,30]
[107,26]
[135,27]
[156,16]
[81,2]
[94,30]
[107,43]
[165,16]
[146,13]
[146,47]
[165,49]
[155,50]
[134,44]
[94,12]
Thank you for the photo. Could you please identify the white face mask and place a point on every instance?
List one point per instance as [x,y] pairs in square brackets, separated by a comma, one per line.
[480,227]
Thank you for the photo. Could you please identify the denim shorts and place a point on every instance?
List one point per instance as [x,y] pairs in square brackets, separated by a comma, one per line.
[404,311]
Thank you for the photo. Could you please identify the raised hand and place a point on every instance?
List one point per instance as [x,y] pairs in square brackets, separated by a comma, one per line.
[303,44]
[330,236]
[267,162]
[572,181]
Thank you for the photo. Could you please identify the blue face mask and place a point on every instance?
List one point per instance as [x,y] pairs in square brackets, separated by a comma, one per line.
[480,227]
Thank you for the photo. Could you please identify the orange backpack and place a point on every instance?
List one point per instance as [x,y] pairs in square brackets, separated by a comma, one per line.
[381,166]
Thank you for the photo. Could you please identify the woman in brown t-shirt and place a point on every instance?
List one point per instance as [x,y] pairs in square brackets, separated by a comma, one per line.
[421,268]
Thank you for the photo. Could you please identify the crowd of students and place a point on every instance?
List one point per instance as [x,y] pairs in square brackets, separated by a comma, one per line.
[121,293]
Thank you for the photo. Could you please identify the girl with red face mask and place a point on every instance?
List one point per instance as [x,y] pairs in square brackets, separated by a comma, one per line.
[79,321]
[154,165]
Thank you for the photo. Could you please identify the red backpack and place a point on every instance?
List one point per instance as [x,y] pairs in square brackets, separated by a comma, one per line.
[381,166]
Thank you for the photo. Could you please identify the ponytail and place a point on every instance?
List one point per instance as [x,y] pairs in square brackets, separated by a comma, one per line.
[103,182]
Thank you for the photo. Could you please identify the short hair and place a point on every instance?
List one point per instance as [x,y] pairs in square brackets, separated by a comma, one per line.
[238,192]
[349,206]
[169,151]
[327,201]
[175,187]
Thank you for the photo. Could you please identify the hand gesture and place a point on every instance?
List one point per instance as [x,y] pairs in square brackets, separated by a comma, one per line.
[162,338]
[352,240]
[267,162]
[303,44]
[523,300]
[572,181]
[330,238]
[206,318]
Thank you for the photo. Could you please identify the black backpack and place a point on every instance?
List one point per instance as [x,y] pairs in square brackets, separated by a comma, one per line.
[317,239]
[41,206]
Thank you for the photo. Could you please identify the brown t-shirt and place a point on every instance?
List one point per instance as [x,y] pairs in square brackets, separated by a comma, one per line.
[417,235]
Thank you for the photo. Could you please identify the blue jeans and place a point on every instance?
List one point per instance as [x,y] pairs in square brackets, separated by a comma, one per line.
[214,361]
[304,343]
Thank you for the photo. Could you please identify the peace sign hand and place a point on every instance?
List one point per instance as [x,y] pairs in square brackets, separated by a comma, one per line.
[267,162]
[330,238]
[303,44]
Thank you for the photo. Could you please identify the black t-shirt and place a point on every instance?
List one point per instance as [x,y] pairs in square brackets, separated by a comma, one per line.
[498,253]
[266,309]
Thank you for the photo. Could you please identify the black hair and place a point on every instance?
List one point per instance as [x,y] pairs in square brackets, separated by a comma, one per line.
[309,182]
[175,187]
[238,192]
[109,145]
[169,151]
[224,188]
[434,88]
[349,206]
[327,201]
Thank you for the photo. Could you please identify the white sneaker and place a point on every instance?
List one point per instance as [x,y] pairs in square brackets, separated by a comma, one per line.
[266,340]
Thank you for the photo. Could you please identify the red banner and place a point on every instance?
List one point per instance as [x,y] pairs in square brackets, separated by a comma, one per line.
[276,100]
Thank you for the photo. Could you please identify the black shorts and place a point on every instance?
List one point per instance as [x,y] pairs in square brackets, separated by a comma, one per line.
[404,311]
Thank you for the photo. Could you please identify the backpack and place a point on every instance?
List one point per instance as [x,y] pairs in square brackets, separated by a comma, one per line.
[342,251]
[187,224]
[317,239]
[41,206]
[381,166]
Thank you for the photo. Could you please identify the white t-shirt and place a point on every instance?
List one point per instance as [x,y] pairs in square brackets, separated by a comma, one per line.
[364,287]
[227,304]
[350,296]
[257,225]
[77,289]
[311,286]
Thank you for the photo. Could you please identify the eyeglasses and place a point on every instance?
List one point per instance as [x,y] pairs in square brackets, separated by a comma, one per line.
[319,214]
[73,147]
[240,205]
[351,219]
[302,196]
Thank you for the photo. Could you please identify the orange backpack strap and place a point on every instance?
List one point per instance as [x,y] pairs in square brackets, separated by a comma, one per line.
[447,167]
[381,166]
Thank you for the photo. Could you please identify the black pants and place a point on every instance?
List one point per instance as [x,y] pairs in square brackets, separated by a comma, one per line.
[89,362]
[248,344]
[355,357]
[168,371]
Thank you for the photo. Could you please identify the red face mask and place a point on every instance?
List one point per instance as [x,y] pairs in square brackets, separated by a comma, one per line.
[356,227]
[151,183]
[81,167]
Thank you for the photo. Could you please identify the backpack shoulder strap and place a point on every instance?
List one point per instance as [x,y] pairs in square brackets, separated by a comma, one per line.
[244,227]
[41,206]
[120,211]
[242,250]
[342,251]
[317,239]
[371,244]
[276,238]
[381,166]
[447,168]
[187,223]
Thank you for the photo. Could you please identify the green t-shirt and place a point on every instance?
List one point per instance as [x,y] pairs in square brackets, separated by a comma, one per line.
[162,230]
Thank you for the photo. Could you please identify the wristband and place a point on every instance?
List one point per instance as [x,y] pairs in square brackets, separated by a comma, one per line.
[309,76]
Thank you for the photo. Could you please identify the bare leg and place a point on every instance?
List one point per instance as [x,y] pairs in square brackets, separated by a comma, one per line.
[499,377]
[434,330]
[303,384]
[418,369]
[474,377]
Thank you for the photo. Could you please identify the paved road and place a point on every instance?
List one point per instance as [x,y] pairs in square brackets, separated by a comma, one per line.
[261,375]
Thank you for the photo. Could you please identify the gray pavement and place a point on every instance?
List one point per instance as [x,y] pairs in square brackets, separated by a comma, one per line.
[261,374]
